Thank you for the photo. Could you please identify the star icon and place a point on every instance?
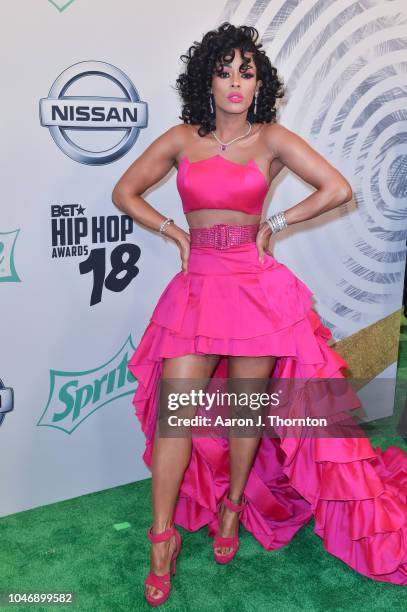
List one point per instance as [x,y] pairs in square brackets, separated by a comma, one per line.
[80,210]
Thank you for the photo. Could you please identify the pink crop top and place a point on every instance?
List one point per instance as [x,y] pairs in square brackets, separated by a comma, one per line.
[217,182]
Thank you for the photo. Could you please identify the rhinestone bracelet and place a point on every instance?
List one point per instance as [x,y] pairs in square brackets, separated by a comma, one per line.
[164,223]
[277,222]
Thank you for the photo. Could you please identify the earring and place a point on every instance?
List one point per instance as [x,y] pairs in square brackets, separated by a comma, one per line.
[210,102]
[255,104]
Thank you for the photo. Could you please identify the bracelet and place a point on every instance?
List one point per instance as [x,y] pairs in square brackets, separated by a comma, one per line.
[277,222]
[164,223]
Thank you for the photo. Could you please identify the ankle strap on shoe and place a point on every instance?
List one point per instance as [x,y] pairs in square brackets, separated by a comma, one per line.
[232,506]
[160,537]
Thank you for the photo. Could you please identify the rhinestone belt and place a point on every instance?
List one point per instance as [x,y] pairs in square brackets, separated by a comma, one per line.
[222,235]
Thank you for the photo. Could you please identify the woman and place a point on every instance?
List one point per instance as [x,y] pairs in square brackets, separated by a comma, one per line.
[234,311]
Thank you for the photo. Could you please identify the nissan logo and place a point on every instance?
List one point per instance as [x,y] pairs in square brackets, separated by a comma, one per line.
[59,112]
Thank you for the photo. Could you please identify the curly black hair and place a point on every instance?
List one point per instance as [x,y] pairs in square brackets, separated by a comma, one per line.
[205,57]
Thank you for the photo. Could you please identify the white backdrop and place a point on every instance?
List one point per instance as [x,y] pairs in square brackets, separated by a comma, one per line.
[73,428]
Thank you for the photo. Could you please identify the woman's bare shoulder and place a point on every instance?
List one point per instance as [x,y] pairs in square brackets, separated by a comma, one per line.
[273,132]
[179,135]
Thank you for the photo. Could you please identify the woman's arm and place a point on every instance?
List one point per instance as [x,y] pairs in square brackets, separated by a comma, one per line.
[332,189]
[152,165]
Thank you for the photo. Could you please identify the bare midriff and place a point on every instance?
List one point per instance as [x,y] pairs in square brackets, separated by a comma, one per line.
[207,217]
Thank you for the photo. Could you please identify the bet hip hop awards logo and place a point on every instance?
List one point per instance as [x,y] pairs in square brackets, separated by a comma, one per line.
[70,228]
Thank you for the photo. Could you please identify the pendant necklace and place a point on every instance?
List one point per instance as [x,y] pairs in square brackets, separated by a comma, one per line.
[223,145]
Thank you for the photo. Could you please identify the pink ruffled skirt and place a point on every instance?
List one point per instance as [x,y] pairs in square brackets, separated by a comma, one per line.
[229,303]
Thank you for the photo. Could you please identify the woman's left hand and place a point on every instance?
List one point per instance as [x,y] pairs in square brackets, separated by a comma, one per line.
[263,240]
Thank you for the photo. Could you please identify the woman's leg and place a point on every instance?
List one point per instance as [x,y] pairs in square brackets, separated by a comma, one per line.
[243,450]
[170,458]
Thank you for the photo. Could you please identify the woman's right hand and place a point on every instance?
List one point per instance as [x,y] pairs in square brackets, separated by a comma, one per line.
[184,242]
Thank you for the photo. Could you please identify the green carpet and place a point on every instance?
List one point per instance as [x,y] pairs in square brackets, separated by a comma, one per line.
[96,546]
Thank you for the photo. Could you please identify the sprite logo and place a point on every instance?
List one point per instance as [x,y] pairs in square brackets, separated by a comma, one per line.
[7,268]
[74,396]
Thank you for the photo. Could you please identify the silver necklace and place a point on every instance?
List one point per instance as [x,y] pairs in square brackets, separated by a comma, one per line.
[223,145]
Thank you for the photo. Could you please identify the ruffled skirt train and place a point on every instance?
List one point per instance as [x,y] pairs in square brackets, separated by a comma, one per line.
[229,303]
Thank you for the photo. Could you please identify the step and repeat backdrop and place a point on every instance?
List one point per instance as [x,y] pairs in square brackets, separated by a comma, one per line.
[87,86]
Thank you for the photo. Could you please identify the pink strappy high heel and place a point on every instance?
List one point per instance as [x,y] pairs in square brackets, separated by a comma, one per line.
[229,542]
[162,582]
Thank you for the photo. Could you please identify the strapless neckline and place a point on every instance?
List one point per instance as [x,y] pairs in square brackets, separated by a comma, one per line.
[251,161]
